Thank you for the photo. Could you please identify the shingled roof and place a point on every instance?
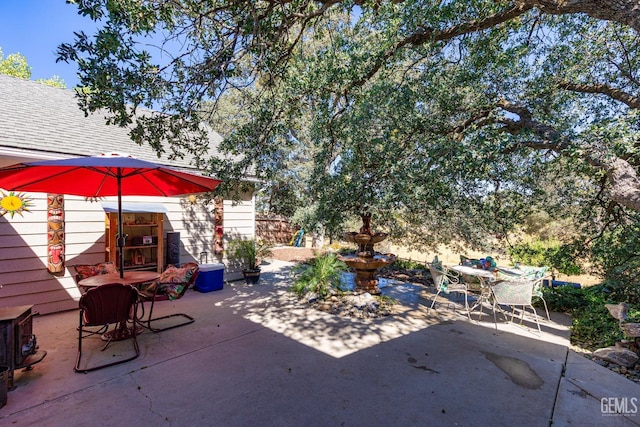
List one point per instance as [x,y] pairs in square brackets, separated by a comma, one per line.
[36,119]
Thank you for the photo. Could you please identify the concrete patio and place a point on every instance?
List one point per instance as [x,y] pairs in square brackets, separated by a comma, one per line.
[255,356]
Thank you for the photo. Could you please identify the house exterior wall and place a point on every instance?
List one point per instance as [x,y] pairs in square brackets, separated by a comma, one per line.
[40,122]
[24,279]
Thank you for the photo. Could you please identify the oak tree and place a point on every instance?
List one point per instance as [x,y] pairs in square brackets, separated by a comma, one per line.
[454,120]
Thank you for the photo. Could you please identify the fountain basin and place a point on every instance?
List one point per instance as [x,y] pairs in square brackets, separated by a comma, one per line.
[367,263]
[364,238]
[365,268]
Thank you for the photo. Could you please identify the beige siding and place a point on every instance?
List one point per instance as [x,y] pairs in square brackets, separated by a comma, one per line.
[24,278]
[194,222]
[239,221]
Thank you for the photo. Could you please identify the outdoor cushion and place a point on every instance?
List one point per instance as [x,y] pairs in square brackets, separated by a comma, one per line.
[86,270]
[533,272]
[173,280]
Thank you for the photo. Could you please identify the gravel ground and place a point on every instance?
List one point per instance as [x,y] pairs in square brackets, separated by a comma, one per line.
[293,254]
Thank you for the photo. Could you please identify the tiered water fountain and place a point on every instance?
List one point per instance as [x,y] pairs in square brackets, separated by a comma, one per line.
[366,261]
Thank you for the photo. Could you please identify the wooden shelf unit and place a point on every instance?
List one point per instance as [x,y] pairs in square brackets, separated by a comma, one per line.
[139,227]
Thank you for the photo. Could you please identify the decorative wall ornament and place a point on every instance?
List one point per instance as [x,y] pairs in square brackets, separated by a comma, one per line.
[218,215]
[55,233]
[14,203]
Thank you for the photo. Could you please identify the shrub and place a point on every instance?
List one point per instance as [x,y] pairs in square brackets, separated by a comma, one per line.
[546,253]
[593,327]
[319,275]
[564,299]
[408,264]
[592,324]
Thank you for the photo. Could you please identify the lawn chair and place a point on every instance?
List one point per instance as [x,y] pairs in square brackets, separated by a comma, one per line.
[447,281]
[109,304]
[514,292]
[171,285]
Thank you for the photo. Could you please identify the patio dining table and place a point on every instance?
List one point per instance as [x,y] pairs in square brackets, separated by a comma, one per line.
[134,278]
[483,275]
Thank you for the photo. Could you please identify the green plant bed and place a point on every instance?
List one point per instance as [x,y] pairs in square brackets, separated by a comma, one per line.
[407,270]
[319,275]
[592,325]
[405,264]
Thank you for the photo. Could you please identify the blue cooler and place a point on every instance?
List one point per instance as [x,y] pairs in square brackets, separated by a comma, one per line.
[210,277]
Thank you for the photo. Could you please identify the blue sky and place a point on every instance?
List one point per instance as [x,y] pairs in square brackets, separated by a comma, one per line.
[35,28]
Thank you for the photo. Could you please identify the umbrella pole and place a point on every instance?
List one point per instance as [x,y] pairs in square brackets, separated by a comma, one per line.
[121,238]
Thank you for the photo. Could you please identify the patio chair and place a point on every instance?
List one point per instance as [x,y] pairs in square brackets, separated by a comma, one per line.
[539,274]
[82,271]
[514,292]
[447,281]
[171,285]
[536,273]
[109,304]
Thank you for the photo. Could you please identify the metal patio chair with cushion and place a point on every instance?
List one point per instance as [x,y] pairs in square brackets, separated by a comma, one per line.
[538,274]
[82,271]
[447,281]
[514,293]
[171,285]
[109,304]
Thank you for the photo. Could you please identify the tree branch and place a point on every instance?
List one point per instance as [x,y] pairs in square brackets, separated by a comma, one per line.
[544,131]
[424,34]
[622,176]
[617,94]
[625,12]
[625,184]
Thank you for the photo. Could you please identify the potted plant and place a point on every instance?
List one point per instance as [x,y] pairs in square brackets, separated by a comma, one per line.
[250,253]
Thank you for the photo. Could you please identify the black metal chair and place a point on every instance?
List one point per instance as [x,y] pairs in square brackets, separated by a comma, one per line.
[109,304]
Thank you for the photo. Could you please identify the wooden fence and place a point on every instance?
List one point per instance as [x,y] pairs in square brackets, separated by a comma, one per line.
[274,229]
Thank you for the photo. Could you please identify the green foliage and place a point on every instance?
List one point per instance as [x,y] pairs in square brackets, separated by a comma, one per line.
[542,253]
[55,81]
[319,275]
[408,265]
[15,65]
[616,257]
[592,324]
[593,327]
[305,217]
[620,291]
[451,131]
[565,299]
[279,198]
[249,251]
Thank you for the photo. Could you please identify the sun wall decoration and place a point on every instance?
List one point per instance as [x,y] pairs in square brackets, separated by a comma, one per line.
[14,203]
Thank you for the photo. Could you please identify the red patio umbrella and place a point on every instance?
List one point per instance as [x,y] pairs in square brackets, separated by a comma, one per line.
[101,176]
